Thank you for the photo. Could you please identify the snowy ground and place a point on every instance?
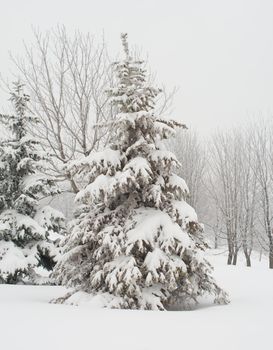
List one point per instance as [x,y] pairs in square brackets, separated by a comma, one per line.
[29,322]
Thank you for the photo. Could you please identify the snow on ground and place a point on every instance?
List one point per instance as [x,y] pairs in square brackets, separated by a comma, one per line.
[29,322]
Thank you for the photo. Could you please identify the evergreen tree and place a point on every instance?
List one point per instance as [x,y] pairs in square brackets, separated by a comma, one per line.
[137,243]
[23,241]
[53,221]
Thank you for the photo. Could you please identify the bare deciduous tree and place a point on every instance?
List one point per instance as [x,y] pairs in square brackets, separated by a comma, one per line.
[67,77]
[191,154]
[224,189]
[262,145]
[248,194]
[233,187]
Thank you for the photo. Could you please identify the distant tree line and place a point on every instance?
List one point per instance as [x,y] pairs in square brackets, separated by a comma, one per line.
[230,176]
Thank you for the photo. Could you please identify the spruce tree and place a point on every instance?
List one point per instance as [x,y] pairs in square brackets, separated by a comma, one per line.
[137,243]
[23,241]
[53,222]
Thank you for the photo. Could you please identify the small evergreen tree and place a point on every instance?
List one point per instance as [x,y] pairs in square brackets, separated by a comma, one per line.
[137,243]
[23,241]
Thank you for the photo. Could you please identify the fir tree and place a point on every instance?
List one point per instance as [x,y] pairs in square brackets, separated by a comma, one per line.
[23,241]
[53,221]
[137,243]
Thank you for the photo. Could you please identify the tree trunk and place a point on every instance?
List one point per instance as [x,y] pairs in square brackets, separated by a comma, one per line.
[230,250]
[234,260]
[248,260]
[271,256]
[215,241]
[270,243]
[247,253]
[72,183]
[230,256]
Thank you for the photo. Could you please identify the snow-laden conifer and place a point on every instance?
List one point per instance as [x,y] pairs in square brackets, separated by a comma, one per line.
[137,243]
[53,222]
[24,242]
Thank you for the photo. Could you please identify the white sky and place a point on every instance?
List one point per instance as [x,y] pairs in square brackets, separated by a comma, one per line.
[219,52]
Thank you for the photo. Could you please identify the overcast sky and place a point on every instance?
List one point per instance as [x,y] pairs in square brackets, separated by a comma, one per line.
[219,52]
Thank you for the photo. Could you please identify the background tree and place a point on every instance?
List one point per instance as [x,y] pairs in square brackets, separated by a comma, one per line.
[23,242]
[66,76]
[233,188]
[248,195]
[262,145]
[225,175]
[191,153]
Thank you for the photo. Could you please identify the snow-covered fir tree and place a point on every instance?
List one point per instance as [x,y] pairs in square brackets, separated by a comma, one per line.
[53,221]
[137,243]
[24,242]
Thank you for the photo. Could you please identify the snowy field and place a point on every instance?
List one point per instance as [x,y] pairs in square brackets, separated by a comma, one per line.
[29,322]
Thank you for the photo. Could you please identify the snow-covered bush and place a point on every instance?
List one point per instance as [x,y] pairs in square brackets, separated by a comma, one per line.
[137,243]
[24,241]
